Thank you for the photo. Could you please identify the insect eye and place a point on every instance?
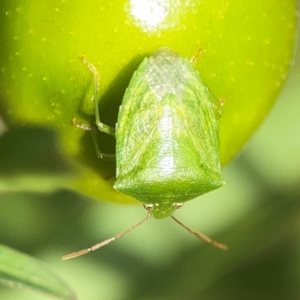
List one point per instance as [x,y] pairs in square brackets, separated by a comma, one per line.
[178,205]
[148,206]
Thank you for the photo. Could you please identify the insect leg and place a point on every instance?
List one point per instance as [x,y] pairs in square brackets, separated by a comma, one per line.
[196,56]
[101,126]
[222,101]
[100,154]
[81,126]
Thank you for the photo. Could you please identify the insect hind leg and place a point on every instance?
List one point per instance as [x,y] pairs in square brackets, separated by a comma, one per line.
[100,154]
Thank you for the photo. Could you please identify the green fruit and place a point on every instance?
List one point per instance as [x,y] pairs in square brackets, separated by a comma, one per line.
[247,47]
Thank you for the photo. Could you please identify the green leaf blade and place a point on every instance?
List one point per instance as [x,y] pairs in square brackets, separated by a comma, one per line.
[19,268]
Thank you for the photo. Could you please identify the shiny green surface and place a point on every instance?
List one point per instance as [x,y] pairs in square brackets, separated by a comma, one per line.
[167,133]
[247,49]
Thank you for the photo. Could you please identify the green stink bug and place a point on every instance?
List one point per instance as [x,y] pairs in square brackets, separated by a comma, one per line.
[167,139]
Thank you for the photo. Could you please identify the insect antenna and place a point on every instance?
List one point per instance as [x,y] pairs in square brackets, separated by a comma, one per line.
[201,236]
[106,242]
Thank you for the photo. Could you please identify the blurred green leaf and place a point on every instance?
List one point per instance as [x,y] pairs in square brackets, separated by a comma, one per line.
[30,161]
[18,268]
[260,230]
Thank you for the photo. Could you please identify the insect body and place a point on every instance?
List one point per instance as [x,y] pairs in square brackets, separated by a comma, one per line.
[167,139]
[167,134]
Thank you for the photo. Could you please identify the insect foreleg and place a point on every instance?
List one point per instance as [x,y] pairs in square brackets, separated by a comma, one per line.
[101,126]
